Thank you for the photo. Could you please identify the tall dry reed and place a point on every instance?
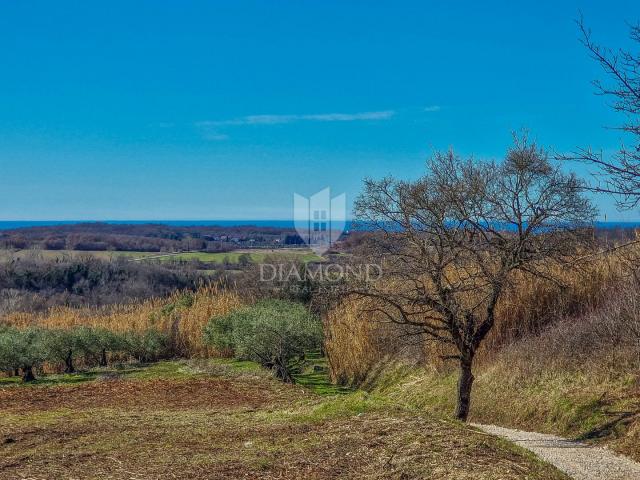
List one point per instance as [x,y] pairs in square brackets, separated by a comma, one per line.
[182,316]
[356,338]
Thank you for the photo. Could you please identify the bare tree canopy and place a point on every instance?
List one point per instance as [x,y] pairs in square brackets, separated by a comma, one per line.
[449,242]
[618,174]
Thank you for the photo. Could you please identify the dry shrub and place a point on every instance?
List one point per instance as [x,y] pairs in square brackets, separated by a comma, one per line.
[534,302]
[182,316]
[603,342]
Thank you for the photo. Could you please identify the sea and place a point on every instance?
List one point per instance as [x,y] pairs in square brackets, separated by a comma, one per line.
[285,224]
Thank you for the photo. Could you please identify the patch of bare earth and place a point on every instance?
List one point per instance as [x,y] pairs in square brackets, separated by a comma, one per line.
[222,428]
[147,394]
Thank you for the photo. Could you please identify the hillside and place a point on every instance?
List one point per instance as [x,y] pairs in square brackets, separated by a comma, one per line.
[221,419]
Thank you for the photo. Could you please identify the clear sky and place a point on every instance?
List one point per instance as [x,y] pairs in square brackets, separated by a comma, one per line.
[222,110]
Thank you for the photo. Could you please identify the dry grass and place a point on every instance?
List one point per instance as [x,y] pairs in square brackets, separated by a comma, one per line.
[562,361]
[578,377]
[357,339]
[353,344]
[183,316]
[128,428]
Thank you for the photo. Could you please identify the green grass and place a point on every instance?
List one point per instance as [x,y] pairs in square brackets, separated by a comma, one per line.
[315,376]
[580,405]
[170,369]
[223,418]
[256,256]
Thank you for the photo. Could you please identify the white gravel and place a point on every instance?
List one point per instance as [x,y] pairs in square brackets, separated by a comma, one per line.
[578,460]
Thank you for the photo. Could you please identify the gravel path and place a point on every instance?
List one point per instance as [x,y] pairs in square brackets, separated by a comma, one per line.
[578,460]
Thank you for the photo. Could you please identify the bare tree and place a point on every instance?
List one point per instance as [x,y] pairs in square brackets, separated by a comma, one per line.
[450,242]
[617,174]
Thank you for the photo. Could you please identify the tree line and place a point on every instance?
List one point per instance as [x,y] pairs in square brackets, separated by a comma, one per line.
[35,284]
[139,237]
[23,351]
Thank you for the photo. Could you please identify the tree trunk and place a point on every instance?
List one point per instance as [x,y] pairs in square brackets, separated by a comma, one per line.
[282,371]
[69,363]
[27,374]
[465,381]
[16,372]
[103,358]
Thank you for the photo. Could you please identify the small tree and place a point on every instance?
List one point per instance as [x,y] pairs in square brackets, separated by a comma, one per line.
[7,353]
[23,350]
[69,345]
[274,333]
[618,174]
[148,346]
[449,243]
[108,341]
[62,346]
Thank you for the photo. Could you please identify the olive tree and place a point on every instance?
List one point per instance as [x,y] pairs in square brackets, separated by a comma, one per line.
[7,357]
[449,243]
[87,343]
[64,346]
[24,350]
[274,333]
[148,346]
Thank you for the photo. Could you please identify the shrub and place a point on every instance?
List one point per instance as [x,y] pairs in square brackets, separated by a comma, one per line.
[23,350]
[86,343]
[7,360]
[274,333]
[148,346]
[181,316]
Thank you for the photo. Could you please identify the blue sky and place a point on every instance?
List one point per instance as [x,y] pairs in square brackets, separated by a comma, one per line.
[222,110]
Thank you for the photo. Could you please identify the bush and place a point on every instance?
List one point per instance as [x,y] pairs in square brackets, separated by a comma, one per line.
[274,333]
[61,346]
[108,341]
[149,346]
[23,350]
[7,360]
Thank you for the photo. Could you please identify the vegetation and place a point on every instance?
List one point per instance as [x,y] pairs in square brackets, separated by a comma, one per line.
[562,358]
[26,350]
[22,350]
[493,265]
[33,284]
[98,236]
[180,318]
[450,243]
[617,174]
[274,333]
[226,419]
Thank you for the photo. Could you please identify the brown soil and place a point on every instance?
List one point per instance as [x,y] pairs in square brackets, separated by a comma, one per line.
[216,393]
[233,428]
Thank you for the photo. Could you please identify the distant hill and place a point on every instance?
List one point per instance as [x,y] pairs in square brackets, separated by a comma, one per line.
[143,237]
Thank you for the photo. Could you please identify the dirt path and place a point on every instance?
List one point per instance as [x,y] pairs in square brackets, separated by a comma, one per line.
[578,460]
